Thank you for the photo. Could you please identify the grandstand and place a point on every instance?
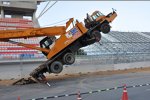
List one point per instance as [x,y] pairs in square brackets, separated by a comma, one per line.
[122,47]
[18,15]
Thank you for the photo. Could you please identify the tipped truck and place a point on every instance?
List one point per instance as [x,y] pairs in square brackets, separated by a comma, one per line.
[61,51]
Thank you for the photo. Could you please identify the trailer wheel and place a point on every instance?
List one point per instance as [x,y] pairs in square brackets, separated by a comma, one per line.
[105,28]
[56,67]
[69,58]
[97,35]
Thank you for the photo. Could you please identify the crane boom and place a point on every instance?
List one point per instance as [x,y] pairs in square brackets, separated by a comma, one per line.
[34,32]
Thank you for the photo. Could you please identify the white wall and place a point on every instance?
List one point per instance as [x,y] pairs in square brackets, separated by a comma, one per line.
[18,70]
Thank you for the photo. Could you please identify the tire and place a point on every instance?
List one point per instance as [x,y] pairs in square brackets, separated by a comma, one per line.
[56,67]
[69,58]
[97,35]
[105,28]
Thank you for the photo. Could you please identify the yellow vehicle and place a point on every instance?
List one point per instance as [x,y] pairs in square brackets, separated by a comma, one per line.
[60,51]
[98,18]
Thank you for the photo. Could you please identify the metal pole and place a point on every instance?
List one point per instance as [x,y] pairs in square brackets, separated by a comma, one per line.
[21,67]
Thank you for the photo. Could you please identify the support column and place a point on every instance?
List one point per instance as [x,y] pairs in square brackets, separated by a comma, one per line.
[35,20]
[2,13]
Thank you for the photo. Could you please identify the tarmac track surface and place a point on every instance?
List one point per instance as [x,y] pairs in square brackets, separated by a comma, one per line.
[83,84]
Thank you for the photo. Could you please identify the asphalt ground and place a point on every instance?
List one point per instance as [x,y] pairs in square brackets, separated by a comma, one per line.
[83,84]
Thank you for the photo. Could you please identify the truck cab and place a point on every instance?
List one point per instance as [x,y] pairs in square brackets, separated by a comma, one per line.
[97,15]
[100,20]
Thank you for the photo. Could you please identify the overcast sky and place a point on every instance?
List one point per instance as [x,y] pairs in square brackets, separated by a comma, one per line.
[132,15]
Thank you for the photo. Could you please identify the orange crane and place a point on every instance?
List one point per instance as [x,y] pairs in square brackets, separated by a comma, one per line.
[60,51]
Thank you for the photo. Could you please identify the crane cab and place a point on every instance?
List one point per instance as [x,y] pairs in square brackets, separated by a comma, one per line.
[46,43]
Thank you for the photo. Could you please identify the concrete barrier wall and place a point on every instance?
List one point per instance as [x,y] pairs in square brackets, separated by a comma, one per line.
[22,69]
[132,65]
[105,67]
[17,70]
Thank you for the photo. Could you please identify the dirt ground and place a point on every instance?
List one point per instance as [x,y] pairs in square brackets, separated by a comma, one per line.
[66,76]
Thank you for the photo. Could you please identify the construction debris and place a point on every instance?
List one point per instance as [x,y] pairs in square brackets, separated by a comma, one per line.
[24,81]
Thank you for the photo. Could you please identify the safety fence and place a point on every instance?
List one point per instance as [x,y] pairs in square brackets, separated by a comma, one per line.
[90,92]
[115,58]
